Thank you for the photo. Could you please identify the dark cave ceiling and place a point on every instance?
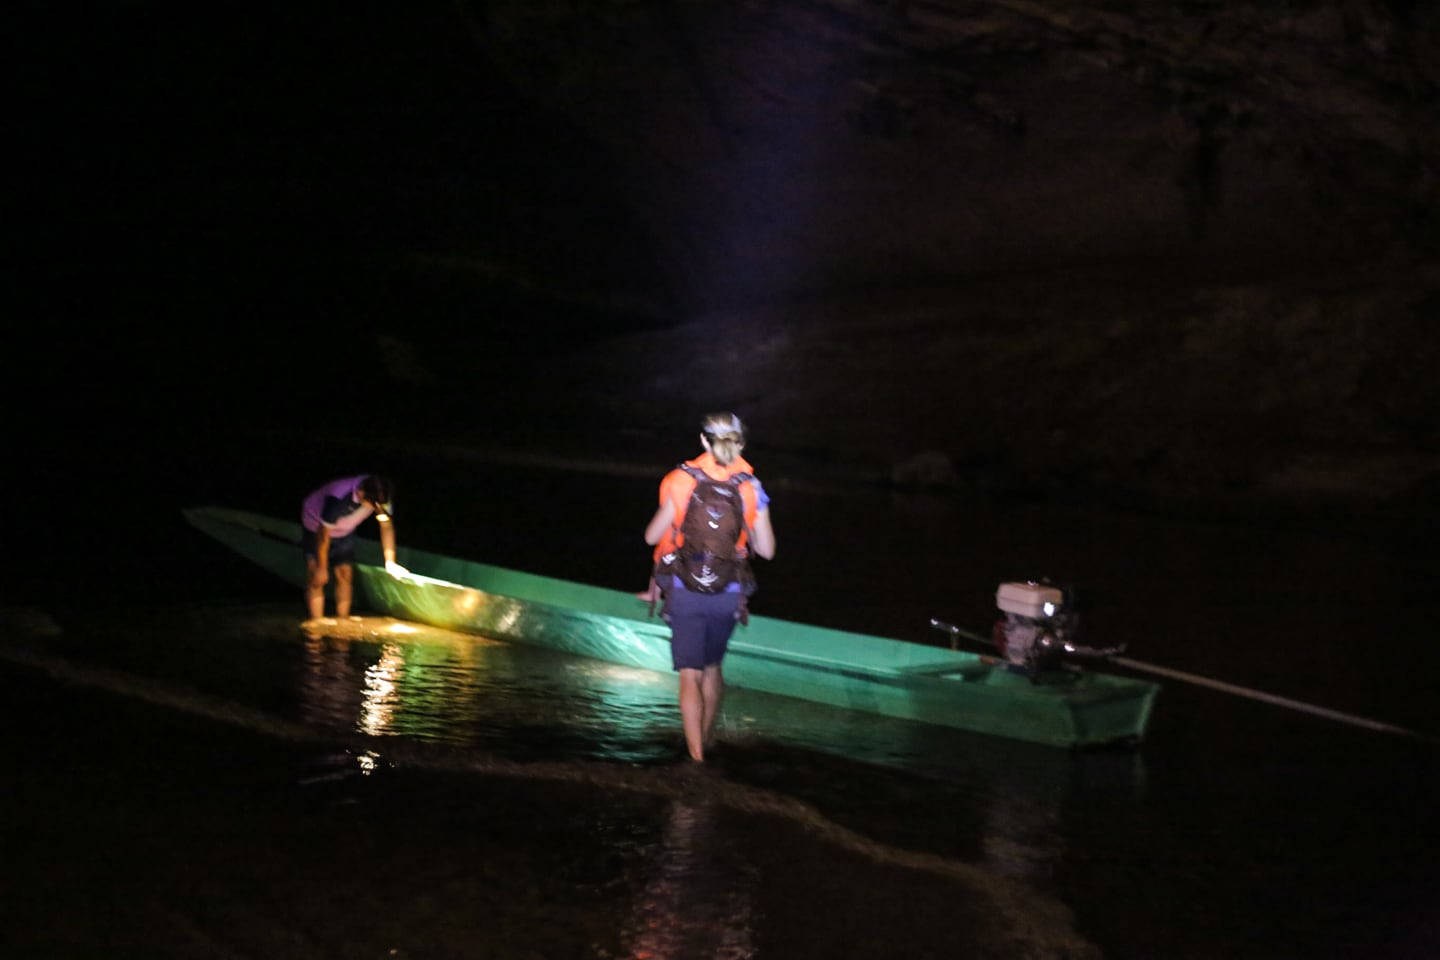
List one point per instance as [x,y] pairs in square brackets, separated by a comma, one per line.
[772,149]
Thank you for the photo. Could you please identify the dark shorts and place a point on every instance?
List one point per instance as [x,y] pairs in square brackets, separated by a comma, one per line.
[700,627]
[341,550]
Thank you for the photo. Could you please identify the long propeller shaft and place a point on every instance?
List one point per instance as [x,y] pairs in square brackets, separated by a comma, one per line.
[1270,698]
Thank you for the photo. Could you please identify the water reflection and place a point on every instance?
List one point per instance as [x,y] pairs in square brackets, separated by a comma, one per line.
[379,676]
[328,688]
[384,677]
[379,699]
[699,898]
[1020,836]
[1030,802]
[985,801]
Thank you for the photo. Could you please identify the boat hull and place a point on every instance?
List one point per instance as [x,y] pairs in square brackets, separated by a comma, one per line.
[860,672]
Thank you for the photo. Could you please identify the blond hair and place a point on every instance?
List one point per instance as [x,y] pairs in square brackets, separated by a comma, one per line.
[726,436]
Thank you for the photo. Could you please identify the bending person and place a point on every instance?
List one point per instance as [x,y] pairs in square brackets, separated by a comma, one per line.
[329,517]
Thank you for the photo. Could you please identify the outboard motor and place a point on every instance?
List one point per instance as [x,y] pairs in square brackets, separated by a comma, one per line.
[1040,629]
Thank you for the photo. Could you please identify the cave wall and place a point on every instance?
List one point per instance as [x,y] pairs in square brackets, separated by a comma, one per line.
[1184,250]
[779,149]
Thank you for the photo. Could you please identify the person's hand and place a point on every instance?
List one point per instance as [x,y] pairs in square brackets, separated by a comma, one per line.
[395,570]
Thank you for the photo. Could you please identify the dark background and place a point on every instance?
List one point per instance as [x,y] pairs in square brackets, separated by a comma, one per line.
[1117,252]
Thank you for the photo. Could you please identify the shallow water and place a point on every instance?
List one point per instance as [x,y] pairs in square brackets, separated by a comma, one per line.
[1239,829]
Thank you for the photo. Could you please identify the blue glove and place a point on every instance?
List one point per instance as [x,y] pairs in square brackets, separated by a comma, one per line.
[762,499]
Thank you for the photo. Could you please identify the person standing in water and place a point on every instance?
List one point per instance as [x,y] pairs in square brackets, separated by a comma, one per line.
[329,517]
[713,516]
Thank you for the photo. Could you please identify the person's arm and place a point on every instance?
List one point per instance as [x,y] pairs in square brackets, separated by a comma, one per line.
[762,533]
[663,520]
[655,530]
[387,540]
[387,547]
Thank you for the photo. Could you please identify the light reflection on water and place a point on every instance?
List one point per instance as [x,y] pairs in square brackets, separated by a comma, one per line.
[699,898]
[995,803]
[470,691]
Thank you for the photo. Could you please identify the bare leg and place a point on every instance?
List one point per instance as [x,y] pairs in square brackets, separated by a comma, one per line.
[692,712]
[314,591]
[344,588]
[712,691]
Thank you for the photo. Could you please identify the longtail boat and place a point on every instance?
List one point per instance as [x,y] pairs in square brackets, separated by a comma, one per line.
[894,678]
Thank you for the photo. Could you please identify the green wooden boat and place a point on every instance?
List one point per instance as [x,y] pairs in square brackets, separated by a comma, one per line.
[893,678]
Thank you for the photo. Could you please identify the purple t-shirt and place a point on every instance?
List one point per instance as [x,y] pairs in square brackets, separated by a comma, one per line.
[337,506]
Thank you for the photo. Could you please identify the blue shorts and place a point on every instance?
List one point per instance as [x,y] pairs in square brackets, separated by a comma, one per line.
[342,550]
[700,626]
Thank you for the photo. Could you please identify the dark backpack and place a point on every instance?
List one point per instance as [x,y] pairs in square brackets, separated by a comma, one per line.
[705,558]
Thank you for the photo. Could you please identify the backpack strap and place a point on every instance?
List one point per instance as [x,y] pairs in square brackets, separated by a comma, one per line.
[697,475]
[734,479]
[739,480]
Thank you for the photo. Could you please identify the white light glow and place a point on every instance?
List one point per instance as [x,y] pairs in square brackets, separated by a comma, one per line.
[506,622]
[377,708]
[467,602]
